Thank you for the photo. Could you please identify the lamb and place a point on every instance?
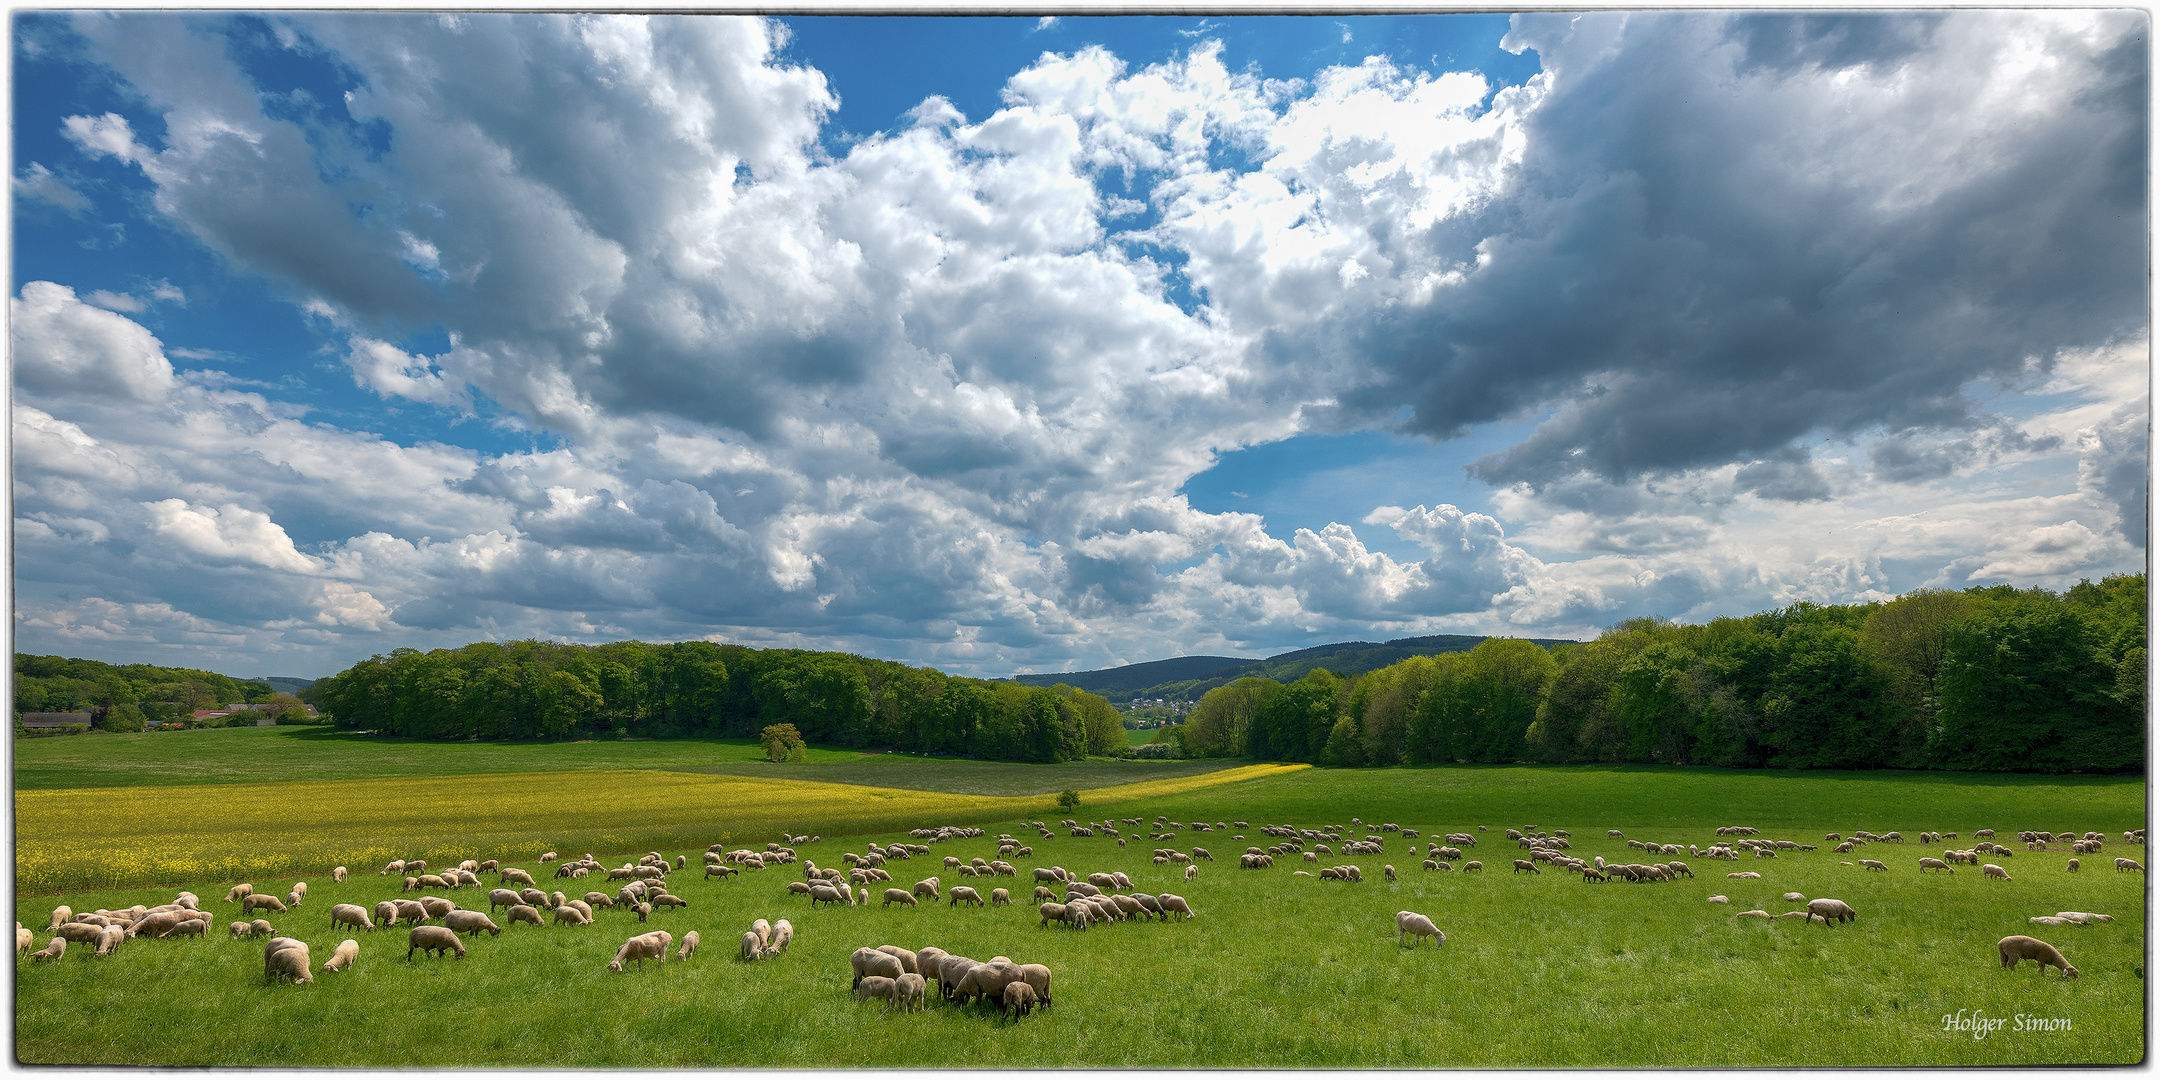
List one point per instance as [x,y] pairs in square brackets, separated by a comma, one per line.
[1193,871]
[1017,1001]
[433,940]
[1410,922]
[471,922]
[1994,871]
[1828,909]
[299,893]
[652,946]
[53,950]
[2019,947]
[253,901]
[338,873]
[875,986]
[689,946]
[908,993]
[642,909]
[899,896]
[753,947]
[870,963]
[288,958]
[352,915]
[342,959]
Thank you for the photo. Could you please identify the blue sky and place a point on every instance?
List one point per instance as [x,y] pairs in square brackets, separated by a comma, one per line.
[1010,344]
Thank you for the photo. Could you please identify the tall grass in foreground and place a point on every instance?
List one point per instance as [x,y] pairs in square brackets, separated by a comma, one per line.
[1277,971]
[112,837]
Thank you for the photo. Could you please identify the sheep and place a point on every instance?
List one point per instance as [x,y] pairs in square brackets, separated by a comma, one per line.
[875,986]
[1050,911]
[1410,922]
[1388,869]
[289,960]
[1017,1001]
[394,866]
[352,915]
[1193,871]
[869,963]
[689,946]
[53,950]
[651,946]
[669,901]
[1994,871]
[987,981]
[2018,947]
[410,911]
[195,927]
[512,873]
[2084,916]
[1795,897]
[342,959]
[753,947]
[1937,864]
[783,932]
[471,922]
[523,913]
[1473,864]
[108,940]
[928,887]
[2050,920]
[253,901]
[1720,900]
[1525,864]
[1827,909]
[299,893]
[899,896]
[433,940]
[1172,903]
[2073,867]
[1757,913]
[1871,864]
[2128,864]
[909,962]
[233,895]
[963,894]
[1000,898]
[642,909]
[261,928]
[1745,874]
[908,993]
[437,907]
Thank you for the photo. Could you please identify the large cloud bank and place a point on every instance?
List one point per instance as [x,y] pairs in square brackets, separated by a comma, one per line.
[1806,307]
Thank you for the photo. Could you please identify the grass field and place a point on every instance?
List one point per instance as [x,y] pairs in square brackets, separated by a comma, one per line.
[257,754]
[1278,970]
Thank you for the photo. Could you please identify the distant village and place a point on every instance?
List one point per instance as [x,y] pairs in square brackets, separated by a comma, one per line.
[1142,714]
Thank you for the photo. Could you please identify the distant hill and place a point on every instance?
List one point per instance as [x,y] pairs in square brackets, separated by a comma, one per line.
[287,683]
[1188,677]
[1125,682]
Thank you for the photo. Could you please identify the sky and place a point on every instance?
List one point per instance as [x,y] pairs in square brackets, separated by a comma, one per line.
[1010,345]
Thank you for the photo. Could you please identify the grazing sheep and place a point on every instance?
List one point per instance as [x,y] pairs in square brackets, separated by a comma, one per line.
[1937,864]
[505,898]
[2073,867]
[1757,913]
[1000,898]
[1745,874]
[410,911]
[1193,871]
[289,960]
[524,913]
[1795,897]
[1828,909]
[928,887]
[1994,871]
[253,901]
[909,962]
[437,907]
[875,986]
[53,950]
[899,896]
[1017,1001]
[233,895]
[2128,864]
[908,992]
[753,947]
[1388,869]
[1473,864]
[1410,922]
[394,866]
[642,909]
[24,939]
[2084,916]
[652,946]
[963,894]
[1525,864]
[1871,864]
[433,940]
[2019,947]
[2051,920]
[783,932]
[1720,900]
[299,893]
[987,981]
[108,940]
[512,873]
[669,901]
[1050,911]
[471,922]
[1172,903]
[870,963]
[689,946]
[342,959]
[352,915]
[75,931]
[261,928]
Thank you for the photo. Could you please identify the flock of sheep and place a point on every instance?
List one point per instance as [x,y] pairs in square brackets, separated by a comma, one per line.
[438,925]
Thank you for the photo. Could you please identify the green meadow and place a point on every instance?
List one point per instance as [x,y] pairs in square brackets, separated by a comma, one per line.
[1278,970]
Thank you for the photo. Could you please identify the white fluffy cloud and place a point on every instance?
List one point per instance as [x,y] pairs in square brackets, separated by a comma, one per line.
[935,397]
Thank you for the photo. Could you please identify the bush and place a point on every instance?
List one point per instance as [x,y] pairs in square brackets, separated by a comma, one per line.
[1157,751]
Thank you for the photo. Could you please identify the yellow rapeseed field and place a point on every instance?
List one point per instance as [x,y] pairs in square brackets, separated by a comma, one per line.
[113,837]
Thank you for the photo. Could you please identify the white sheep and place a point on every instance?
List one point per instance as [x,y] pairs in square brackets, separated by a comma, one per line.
[1720,900]
[689,946]
[433,940]
[285,957]
[2019,947]
[342,959]
[783,932]
[470,922]
[1994,871]
[650,946]
[875,986]
[1410,922]
[338,873]
[753,947]
[352,915]
[1171,902]
[908,993]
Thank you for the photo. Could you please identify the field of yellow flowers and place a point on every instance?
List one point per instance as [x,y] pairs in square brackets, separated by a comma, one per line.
[115,837]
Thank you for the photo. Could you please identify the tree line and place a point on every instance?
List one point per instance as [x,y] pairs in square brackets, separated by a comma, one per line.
[1991,679]
[554,690]
[130,694]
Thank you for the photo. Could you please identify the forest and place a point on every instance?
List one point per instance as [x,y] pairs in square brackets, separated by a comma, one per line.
[132,693]
[1990,679]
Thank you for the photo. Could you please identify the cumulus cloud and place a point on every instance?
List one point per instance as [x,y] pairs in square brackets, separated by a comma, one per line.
[936,395]
[64,346]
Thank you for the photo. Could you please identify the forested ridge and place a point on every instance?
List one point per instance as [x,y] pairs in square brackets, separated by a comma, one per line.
[1993,679]
[551,690]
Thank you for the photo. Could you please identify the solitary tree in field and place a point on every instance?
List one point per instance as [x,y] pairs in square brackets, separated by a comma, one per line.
[1068,801]
[782,743]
